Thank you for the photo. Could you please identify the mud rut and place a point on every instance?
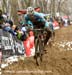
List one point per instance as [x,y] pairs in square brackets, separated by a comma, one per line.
[55,62]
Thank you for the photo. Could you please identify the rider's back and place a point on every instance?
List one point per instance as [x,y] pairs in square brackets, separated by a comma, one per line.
[36,19]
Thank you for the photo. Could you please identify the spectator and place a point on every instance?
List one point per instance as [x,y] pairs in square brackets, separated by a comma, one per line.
[20,34]
[9,27]
[10,22]
[55,24]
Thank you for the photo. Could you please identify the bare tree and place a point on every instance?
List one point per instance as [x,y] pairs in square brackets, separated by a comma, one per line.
[47,6]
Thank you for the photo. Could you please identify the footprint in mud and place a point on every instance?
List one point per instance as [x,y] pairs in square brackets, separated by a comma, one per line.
[64,58]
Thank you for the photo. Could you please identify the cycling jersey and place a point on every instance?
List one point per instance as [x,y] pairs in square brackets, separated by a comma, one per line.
[35,20]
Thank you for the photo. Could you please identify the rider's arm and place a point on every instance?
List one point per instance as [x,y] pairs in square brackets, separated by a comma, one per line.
[40,16]
[27,21]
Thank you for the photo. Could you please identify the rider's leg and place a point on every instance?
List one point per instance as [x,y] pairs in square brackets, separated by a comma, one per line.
[48,35]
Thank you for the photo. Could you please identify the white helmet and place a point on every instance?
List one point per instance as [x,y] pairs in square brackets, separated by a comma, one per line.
[30,10]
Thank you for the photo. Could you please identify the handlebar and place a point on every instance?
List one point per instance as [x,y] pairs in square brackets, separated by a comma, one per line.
[38,29]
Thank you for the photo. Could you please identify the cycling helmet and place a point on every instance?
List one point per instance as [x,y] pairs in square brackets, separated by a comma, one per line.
[30,10]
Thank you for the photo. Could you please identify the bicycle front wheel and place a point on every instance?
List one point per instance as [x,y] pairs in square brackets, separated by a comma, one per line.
[39,47]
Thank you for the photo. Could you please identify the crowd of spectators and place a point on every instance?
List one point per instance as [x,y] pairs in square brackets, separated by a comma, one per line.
[8,26]
[20,32]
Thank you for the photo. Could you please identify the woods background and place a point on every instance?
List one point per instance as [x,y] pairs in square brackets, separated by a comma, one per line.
[63,7]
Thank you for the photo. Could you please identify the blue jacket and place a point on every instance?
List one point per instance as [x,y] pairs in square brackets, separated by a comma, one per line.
[38,17]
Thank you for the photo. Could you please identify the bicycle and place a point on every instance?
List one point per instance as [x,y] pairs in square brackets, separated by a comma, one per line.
[42,35]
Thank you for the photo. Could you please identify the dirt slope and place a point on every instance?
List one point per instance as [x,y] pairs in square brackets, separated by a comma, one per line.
[58,60]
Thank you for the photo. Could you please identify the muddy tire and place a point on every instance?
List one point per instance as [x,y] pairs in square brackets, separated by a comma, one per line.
[39,47]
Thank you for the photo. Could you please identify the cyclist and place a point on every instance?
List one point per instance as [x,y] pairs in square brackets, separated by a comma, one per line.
[33,18]
[36,20]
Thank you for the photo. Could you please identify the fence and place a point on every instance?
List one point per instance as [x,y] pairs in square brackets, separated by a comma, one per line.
[10,45]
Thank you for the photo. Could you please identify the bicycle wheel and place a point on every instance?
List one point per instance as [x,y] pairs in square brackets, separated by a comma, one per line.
[37,52]
[39,47]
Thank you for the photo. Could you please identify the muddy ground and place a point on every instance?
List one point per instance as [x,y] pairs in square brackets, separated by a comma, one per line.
[58,60]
